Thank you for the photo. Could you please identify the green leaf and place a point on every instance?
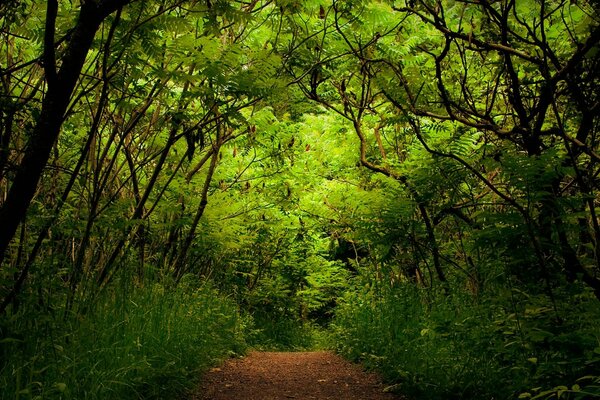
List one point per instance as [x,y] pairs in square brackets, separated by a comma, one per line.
[11,340]
[60,386]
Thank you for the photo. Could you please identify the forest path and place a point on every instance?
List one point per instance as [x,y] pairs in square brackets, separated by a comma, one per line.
[292,375]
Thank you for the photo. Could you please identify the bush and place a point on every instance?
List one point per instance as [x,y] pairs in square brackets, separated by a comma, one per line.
[147,344]
[436,346]
[274,332]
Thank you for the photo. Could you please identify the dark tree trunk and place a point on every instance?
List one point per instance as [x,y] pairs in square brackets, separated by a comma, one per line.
[56,100]
[181,258]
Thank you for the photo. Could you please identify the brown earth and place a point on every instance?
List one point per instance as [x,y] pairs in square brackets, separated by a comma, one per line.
[300,375]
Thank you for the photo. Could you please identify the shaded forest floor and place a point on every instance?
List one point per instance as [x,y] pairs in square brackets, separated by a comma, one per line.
[290,375]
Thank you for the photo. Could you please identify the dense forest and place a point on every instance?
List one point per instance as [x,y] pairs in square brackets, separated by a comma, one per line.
[410,183]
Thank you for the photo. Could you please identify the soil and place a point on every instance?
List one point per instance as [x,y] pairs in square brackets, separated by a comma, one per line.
[294,375]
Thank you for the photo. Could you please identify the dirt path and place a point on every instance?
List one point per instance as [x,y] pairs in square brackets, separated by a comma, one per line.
[310,375]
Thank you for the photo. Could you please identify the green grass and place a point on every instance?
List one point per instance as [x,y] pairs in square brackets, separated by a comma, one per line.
[432,346]
[150,343]
[284,334]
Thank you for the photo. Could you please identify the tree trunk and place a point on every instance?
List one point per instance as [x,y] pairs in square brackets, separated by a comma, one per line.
[56,100]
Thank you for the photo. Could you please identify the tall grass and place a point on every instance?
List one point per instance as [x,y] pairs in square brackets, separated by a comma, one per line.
[284,333]
[436,346]
[149,343]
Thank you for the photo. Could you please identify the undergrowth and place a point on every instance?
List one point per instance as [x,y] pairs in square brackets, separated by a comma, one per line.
[271,333]
[146,343]
[503,345]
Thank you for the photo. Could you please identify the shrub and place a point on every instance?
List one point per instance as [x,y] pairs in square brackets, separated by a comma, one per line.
[436,346]
[149,343]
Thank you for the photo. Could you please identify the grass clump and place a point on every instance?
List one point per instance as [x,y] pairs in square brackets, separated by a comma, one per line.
[279,333]
[149,343]
[453,346]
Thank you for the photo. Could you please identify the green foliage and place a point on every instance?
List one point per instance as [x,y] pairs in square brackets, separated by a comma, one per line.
[437,347]
[426,171]
[145,343]
[271,331]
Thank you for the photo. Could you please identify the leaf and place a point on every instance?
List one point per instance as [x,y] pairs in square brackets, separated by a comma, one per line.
[60,386]
[11,340]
